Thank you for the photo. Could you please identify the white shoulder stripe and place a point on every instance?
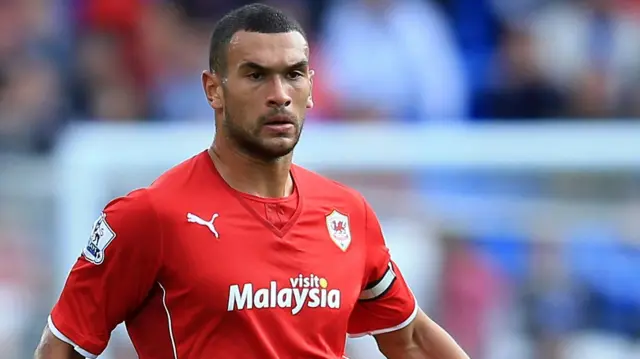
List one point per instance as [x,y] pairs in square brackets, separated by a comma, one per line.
[58,334]
[380,287]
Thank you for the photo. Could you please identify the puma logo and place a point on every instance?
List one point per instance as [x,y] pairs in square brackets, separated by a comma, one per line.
[192,218]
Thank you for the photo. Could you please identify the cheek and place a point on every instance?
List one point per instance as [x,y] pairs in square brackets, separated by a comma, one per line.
[243,115]
[301,97]
[235,105]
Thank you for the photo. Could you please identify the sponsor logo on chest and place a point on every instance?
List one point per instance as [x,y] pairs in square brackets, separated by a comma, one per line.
[304,291]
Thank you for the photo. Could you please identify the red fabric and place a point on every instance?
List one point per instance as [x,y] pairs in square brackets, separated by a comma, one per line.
[278,211]
[194,273]
[121,18]
[120,15]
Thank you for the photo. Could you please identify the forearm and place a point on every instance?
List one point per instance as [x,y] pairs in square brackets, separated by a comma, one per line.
[51,347]
[424,339]
[434,343]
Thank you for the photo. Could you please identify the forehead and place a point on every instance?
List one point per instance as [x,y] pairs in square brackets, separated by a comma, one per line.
[268,50]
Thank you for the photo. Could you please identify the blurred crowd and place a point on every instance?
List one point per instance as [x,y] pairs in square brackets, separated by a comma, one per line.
[538,295]
[435,60]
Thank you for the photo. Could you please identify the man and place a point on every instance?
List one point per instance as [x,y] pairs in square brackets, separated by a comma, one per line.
[237,253]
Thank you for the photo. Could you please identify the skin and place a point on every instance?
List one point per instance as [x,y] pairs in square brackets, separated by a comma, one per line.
[269,75]
[421,339]
[266,75]
[50,347]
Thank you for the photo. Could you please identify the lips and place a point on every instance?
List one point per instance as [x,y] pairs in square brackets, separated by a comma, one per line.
[280,120]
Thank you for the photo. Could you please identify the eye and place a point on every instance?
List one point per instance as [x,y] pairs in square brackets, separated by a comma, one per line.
[255,76]
[294,75]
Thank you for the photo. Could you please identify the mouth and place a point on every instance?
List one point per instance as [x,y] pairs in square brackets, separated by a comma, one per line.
[279,121]
[280,125]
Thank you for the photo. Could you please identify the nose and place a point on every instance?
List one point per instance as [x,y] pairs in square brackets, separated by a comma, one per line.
[278,96]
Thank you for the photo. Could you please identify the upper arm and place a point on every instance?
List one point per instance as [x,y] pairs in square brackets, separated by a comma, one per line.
[113,276]
[386,303]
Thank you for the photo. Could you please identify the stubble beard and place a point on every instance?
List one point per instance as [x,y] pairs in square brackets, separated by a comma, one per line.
[253,145]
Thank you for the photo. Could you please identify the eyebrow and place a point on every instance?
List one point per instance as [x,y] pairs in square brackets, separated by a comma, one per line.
[257,67]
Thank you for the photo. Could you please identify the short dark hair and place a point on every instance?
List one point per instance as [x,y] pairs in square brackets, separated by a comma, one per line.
[252,18]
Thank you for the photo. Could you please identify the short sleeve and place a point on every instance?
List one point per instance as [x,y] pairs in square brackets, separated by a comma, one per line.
[386,303]
[112,277]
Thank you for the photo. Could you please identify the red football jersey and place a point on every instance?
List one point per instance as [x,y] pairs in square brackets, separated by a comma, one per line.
[196,272]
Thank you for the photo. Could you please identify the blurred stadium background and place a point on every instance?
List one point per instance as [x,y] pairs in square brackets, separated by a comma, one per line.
[497,139]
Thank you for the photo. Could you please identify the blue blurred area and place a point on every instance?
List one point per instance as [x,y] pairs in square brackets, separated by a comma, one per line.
[438,60]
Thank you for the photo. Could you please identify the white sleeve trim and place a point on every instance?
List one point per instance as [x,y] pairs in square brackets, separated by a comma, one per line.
[394,328]
[64,338]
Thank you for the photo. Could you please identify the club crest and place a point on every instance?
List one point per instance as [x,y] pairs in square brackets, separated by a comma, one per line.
[339,231]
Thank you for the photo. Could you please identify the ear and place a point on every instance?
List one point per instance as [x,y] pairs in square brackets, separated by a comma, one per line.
[212,84]
[310,98]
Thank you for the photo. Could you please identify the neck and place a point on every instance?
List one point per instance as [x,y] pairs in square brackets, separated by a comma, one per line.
[252,176]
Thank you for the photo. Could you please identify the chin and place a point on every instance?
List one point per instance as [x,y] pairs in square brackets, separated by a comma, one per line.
[280,147]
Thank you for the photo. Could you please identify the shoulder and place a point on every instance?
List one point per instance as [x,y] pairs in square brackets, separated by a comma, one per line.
[184,182]
[129,218]
[145,202]
[134,204]
[179,175]
[327,190]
